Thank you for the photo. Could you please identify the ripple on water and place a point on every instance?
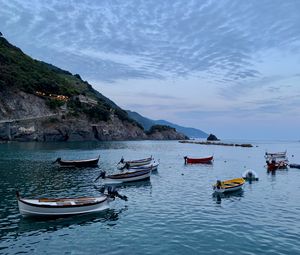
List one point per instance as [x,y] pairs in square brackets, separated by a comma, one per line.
[173,213]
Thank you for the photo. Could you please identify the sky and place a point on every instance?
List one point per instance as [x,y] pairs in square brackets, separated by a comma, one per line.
[227,67]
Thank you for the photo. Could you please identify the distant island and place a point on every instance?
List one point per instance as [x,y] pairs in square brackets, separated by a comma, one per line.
[41,102]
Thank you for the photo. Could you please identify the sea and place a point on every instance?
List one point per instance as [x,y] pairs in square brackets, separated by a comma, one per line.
[174,212]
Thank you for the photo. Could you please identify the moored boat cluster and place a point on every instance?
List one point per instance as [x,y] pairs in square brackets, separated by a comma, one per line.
[131,171]
[134,170]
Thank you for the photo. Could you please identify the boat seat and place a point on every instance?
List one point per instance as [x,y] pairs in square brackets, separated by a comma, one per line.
[64,203]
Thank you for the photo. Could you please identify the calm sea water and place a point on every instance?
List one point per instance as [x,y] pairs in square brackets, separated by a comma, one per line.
[172,213]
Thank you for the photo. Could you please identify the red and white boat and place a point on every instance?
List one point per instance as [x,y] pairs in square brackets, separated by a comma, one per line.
[206,160]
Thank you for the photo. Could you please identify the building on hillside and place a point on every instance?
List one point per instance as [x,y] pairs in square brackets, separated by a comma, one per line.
[85,100]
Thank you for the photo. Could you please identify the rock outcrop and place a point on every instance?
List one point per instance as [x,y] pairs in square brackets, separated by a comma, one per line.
[212,137]
[161,132]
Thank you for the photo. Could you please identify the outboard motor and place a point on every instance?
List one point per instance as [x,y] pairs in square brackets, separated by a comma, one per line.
[218,184]
[101,175]
[185,160]
[113,193]
[250,176]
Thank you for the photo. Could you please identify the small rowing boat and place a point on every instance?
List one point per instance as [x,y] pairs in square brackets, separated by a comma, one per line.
[78,163]
[130,176]
[152,164]
[229,185]
[139,162]
[58,207]
[206,160]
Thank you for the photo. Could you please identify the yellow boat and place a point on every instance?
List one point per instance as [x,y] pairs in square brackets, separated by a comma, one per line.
[229,185]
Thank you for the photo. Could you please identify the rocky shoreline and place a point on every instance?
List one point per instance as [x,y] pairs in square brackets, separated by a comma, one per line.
[54,129]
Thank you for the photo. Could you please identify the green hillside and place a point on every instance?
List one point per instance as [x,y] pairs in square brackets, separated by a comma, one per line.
[20,72]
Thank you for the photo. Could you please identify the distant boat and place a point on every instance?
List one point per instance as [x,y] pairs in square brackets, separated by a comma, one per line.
[152,164]
[126,177]
[131,163]
[78,163]
[206,160]
[250,175]
[294,166]
[277,156]
[47,207]
[229,185]
[274,165]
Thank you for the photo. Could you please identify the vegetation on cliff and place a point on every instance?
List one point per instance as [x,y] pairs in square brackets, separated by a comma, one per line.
[20,72]
[159,128]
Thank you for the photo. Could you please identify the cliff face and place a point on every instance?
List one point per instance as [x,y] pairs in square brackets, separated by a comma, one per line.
[57,129]
[26,117]
[16,104]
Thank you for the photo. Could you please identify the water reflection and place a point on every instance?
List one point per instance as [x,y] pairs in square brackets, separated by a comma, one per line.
[34,226]
[235,195]
[135,184]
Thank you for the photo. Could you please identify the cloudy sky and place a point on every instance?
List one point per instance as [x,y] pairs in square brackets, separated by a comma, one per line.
[229,67]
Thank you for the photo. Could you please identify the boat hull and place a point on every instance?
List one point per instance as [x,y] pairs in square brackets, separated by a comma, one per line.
[128,177]
[134,163]
[34,208]
[207,160]
[153,166]
[79,163]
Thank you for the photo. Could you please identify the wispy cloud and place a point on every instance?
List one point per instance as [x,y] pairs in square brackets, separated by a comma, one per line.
[153,39]
[247,51]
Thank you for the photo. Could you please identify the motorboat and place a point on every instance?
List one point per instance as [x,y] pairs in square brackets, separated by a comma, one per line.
[129,176]
[153,164]
[132,163]
[250,175]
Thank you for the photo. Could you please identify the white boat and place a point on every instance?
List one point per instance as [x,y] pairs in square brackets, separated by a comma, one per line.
[130,176]
[153,165]
[277,156]
[250,175]
[139,162]
[54,207]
